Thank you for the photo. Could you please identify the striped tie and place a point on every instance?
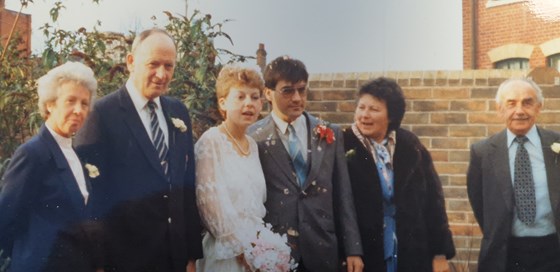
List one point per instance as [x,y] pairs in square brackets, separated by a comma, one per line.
[157,136]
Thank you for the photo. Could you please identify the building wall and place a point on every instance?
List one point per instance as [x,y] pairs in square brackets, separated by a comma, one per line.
[448,110]
[467,35]
[23,27]
[499,25]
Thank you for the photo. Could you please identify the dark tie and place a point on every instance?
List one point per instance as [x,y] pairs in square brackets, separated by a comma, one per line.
[296,155]
[157,136]
[523,184]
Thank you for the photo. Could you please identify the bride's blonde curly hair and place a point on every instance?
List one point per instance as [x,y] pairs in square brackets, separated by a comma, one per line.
[235,76]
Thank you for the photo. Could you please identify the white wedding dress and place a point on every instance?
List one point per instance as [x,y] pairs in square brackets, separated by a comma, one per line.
[231,192]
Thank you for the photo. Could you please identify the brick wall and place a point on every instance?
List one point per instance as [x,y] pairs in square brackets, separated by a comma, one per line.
[500,25]
[23,27]
[448,110]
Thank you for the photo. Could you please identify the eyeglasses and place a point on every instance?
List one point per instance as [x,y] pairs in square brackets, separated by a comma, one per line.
[290,91]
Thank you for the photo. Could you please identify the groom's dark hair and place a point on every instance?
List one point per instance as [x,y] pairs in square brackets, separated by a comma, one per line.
[284,68]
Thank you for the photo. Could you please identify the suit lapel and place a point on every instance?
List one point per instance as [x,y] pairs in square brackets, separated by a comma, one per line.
[133,121]
[316,151]
[500,159]
[274,148]
[173,148]
[552,169]
[67,178]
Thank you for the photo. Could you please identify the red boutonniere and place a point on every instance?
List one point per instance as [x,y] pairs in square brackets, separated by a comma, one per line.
[325,132]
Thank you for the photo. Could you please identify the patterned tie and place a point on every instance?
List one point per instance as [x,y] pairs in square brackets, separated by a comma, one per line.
[296,155]
[523,184]
[157,136]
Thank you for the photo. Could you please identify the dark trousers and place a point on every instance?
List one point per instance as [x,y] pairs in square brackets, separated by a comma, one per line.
[534,254]
[301,267]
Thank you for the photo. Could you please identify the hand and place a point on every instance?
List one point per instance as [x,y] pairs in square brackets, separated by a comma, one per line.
[191,266]
[241,260]
[354,264]
[440,264]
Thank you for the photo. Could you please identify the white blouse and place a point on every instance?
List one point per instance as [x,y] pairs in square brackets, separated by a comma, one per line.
[65,145]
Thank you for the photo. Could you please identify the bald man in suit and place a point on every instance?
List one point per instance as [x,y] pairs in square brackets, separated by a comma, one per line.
[142,142]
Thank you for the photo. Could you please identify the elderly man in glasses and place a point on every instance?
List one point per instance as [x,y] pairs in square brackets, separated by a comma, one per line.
[309,197]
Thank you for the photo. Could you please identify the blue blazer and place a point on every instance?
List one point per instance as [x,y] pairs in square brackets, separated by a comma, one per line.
[146,214]
[39,203]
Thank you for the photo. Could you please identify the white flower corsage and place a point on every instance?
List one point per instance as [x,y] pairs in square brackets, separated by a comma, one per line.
[556,149]
[179,124]
[350,153]
[93,172]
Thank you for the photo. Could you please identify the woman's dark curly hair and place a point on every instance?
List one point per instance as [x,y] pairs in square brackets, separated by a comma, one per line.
[387,90]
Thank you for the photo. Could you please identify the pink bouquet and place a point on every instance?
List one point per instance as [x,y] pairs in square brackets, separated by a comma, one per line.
[269,252]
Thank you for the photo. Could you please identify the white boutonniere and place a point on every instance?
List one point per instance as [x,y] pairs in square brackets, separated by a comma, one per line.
[93,172]
[556,149]
[350,153]
[179,124]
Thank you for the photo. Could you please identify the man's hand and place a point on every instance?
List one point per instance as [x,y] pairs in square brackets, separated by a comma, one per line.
[191,266]
[440,264]
[354,264]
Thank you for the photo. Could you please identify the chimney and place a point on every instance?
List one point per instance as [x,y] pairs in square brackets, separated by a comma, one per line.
[261,56]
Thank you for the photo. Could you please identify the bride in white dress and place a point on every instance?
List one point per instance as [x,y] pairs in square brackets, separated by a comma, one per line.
[230,185]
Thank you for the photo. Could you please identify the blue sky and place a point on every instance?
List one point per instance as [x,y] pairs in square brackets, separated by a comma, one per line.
[328,36]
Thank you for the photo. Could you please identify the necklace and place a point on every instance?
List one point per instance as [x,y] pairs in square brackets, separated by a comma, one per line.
[245,153]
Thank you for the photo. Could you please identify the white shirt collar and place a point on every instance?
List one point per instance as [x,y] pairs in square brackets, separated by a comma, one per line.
[60,140]
[282,125]
[139,100]
[532,135]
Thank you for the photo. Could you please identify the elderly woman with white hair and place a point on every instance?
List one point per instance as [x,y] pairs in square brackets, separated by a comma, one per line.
[45,201]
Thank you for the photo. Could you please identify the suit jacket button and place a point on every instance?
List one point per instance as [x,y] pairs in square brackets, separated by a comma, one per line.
[165,196]
[286,191]
[169,220]
[163,162]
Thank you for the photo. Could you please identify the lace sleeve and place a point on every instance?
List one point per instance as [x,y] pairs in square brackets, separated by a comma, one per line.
[217,212]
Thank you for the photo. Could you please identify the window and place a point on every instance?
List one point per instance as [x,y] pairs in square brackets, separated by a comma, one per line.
[512,64]
[554,61]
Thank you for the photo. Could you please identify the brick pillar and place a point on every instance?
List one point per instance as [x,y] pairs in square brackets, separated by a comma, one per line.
[261,56]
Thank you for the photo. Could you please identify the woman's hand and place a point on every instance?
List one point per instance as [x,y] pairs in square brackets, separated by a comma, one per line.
[191,266]
[241,260]
[440,264]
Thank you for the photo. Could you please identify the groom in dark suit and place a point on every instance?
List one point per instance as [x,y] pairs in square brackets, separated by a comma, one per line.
[513,184]
[309,197]
[142,142]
